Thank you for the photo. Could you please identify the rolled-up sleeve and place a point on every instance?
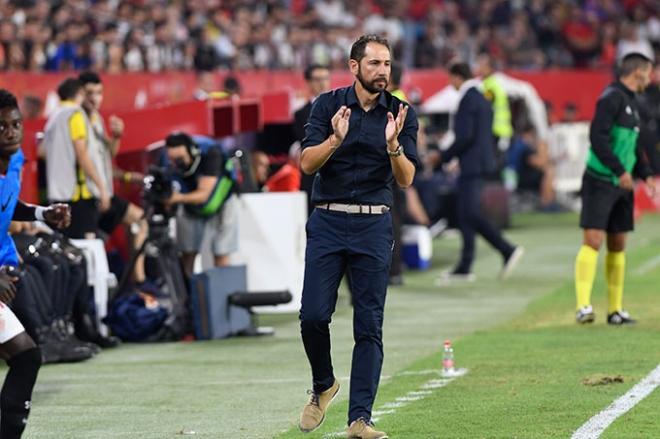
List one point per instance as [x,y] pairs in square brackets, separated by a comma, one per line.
[318,128]
[408,136]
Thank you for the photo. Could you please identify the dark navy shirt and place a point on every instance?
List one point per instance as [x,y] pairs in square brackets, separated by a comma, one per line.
[359,171]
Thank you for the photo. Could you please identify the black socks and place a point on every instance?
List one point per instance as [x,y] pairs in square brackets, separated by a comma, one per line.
[17,392]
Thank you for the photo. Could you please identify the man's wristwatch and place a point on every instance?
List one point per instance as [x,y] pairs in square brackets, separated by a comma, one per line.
[397,152]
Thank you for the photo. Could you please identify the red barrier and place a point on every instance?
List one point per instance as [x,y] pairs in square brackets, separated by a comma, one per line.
[144,127]
[144,90]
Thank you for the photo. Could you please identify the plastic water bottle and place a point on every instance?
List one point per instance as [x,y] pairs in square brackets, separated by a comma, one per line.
[448,359]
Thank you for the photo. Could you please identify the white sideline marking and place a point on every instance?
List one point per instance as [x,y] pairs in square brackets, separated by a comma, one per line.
[595,426]
[390,408]
[648,265]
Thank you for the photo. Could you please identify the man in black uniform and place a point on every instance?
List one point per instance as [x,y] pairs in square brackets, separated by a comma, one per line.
[607,187]
[359,139]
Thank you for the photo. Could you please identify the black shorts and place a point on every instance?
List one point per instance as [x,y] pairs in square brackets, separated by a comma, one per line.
[112,217]
[84,218]
[605,206]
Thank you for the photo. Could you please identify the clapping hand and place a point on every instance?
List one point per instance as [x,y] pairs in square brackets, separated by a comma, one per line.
[394,126]
[340,124]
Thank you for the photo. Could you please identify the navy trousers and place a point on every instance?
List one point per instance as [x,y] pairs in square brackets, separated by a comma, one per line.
[362,245]
[471,221]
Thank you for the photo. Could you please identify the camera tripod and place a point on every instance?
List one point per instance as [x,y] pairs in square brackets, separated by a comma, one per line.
[164,250]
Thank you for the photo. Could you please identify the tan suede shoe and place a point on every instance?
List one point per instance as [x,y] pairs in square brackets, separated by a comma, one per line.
[313,413]
[361,429]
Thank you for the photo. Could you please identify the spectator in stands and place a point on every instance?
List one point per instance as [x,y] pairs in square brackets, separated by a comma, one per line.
[231,86]
[105,146]
[473,147]
[260,164]
[72,177]
[207,204]
[206,85]
[284,179]
[317,78]
[630,41]
[581,36]
[150,35]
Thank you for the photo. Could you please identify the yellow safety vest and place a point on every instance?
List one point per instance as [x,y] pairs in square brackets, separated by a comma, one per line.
[494,92]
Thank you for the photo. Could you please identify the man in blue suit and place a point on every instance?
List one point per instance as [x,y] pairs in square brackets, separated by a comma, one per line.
[473,146]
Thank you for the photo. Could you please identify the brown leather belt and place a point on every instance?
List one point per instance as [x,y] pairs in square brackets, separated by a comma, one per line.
[355,209]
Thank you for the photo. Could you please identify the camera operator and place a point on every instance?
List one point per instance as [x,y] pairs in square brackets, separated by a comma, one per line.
[207,204]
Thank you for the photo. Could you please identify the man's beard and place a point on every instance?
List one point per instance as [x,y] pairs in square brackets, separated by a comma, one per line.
[371,86]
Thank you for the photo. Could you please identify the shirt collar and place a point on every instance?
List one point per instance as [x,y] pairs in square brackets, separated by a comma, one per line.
[466,86]
[351,98]
[623,88]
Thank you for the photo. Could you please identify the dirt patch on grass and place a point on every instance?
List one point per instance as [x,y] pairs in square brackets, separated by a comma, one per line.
[602,380]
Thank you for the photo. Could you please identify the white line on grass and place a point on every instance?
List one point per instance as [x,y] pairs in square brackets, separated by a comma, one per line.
[648,265]
[390,408]
[595,426]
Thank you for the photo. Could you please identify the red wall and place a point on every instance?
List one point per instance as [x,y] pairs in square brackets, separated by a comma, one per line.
[123,91]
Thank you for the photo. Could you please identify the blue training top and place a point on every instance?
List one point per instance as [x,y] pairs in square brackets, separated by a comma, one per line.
[10,187]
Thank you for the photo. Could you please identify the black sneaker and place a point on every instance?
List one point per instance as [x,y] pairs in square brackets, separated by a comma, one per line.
[620,318]
[585,315]
[511,261]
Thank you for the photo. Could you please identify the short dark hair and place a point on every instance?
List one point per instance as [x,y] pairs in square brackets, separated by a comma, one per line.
[396,73]
[7,99]
[632,62]
[89,77]
[69,88]
[231,84]
[310,70]
[460,69]
[178,138]
[360,45]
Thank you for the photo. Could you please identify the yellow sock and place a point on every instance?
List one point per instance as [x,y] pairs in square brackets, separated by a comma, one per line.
[585,272]
[615,271]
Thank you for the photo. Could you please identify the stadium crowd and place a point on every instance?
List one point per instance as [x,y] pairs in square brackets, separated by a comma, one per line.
[154,35]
